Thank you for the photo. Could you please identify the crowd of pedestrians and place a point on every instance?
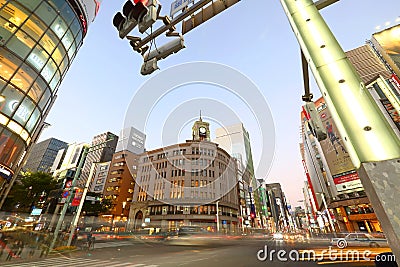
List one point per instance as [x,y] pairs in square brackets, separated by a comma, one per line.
[29,244]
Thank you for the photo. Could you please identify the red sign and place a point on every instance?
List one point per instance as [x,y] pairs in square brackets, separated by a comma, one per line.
[346,178]
[77,198]
[396,81]
[306,113]
[310,184]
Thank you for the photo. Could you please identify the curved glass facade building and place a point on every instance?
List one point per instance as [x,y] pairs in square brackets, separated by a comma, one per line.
[38,42]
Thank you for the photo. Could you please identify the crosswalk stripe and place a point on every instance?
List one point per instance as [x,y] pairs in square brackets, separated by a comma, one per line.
[123,264]
[64,261]
[112,244]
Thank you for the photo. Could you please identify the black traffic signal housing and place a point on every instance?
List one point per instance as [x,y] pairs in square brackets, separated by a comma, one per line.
[130,17]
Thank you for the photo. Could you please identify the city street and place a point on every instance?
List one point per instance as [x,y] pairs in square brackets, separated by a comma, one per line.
[241,253]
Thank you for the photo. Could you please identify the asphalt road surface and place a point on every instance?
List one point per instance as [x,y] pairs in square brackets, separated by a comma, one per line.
[232,253]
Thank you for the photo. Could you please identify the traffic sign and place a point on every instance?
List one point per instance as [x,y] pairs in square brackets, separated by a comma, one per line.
[178,5]
[65,194]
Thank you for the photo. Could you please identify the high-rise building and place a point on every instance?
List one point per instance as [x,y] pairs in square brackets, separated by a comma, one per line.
[102,149]
[185,184]
[39,40]
[67,161]
[121,179]
[43,154]
[236,141]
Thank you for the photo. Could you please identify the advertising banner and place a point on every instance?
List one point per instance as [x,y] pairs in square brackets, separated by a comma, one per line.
[337,157]
[77,197]
[392,112]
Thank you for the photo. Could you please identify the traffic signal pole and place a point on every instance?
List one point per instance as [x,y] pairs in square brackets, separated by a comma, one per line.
[372,144]
[69,198]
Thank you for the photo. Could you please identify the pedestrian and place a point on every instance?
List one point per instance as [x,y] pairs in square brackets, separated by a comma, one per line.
[90,240]
[74,238]
[12,250]
[20,247]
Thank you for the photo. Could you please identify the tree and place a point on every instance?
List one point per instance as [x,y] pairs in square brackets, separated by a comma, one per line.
[30,190]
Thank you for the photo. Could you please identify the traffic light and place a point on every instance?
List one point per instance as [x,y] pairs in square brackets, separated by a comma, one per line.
[317,128]
[150,16]
[131,15]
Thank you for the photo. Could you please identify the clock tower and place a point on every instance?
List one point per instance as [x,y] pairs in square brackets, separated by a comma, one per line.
[201,130]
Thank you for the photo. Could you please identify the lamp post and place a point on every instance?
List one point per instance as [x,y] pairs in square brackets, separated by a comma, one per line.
[68,200]
[78,211]
[327,210]
[217,214]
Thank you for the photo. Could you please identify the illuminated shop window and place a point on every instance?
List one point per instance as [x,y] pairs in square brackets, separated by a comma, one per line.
[33,121]
[21,44]
[12,98]
[22,110]
[46,95]
[34,27]
[14,13]
[5,30]
[7,67]
[49,70]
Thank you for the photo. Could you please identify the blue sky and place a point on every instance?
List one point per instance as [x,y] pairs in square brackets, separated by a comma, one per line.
[253,37]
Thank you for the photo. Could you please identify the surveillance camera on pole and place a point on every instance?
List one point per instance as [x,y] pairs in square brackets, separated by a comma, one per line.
[166,50]
[151,58]
[149,67]
[315,122]
[130,17]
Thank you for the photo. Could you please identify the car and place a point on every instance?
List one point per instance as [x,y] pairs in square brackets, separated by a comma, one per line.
[192,235]
[278,236]
[357,240]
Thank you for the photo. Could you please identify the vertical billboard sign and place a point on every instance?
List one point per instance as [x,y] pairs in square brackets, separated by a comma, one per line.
[388,42]
[342,169]
[77,197]
[392,112]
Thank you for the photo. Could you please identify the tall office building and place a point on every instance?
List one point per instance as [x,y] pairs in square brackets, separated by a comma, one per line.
[120,181]
[43,155]
[102,149]
[236,141]
[67,161]
[38,42]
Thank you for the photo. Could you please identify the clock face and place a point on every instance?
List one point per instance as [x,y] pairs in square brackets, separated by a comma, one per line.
[202,130]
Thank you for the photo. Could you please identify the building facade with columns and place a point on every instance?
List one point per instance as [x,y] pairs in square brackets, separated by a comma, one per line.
[183,184]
